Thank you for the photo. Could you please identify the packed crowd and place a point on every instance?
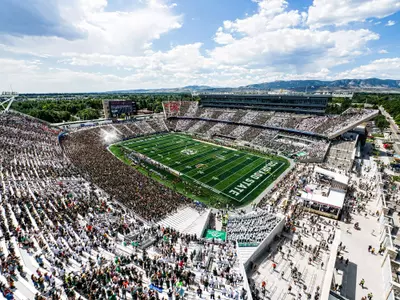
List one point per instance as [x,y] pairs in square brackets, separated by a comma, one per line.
[282,193]
[340,122]
[321,125]
[64,237]
[342,153]
[296,145]
[148,198]
[253,227]
[285,143]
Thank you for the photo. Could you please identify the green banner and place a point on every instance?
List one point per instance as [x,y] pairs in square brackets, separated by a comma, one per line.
[215,234]
[301,154]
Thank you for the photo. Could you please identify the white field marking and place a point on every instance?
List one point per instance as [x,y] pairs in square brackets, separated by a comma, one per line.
[233,149]
[235,173]
[262,182]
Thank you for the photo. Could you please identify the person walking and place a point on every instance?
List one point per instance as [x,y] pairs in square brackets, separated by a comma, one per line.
[370,296]
[274,266]
[362,282]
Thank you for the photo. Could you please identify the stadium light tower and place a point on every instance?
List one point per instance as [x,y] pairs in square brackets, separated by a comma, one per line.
[6,99]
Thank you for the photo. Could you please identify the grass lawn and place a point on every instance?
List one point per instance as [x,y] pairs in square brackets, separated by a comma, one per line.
[203,171]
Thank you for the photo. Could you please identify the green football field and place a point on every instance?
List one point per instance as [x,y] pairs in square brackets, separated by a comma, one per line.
[238,176]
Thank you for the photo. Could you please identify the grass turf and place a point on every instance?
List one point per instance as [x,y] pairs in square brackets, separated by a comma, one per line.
[210,173]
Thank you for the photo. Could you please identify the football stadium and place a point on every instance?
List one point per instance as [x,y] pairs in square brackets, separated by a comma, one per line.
[230,197]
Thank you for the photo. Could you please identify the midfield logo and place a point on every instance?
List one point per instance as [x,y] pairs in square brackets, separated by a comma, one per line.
[189,151]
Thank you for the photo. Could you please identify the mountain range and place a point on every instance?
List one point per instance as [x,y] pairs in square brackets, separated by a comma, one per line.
[370,84]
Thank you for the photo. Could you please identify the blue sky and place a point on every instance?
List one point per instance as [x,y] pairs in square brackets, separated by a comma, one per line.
[100,45]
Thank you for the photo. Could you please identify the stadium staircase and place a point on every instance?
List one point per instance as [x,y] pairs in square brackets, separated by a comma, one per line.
[187,220]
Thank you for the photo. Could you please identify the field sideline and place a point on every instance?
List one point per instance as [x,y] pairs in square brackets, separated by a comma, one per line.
[237,175]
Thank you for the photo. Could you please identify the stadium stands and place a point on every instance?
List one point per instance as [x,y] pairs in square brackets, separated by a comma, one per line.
[303,137]
[341,153]
[329,126]
[87,151]
[63,237]
[251,228]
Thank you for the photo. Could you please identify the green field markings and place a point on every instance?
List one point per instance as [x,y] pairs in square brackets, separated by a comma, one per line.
[171,147]
[168,140]
[176,150]
[200,170]
[213,166]
[225,189]
[194,159]
[168,158]
[202,184]
[267,178]
[179,156]
[198,158]
[239,161]
[204,158]
[238,172]
[156,142]
[200,154]
[244,177]
[235,156]
[141,142]
[210,168]
[150,143]
[168,146]
[247,175]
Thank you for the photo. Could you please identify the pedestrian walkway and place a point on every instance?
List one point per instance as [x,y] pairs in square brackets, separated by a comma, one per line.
[362,263]
[297,263]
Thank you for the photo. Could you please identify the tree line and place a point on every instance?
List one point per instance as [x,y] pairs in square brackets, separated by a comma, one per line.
[89,108]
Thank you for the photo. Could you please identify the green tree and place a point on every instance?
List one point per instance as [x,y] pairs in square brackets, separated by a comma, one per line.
[381,123]
[89,114]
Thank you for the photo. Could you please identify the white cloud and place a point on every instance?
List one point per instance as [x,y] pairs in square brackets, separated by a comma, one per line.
[383,51]
[390,23]
[11,67]
[381,68]
[271,16]
[275,37]
[180,58]
[29,77]
[223,38]
[339,12]
[105,32]
[117,50]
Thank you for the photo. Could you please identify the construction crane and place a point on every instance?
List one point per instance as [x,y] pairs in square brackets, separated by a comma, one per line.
[6,100]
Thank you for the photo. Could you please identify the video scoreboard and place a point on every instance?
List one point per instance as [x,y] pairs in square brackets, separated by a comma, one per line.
[118,108]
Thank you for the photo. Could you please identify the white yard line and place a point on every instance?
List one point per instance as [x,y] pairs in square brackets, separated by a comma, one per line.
[233,149]
[282,164]
[235,173]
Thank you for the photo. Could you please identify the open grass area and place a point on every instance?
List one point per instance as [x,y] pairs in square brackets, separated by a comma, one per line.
[203,171]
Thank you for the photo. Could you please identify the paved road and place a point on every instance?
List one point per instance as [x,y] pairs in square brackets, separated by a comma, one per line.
[393,128]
